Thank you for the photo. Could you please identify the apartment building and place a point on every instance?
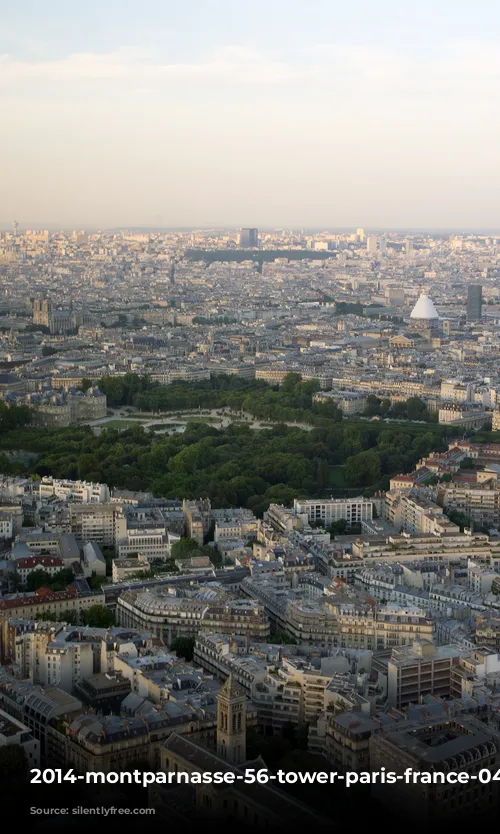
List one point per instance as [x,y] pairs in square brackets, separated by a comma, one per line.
[347,735]
[77,491]
[35,707]
[224,655]
[198,518]
[412,511]
[479,501]
[183,613]
[352,510]
[110,743]
[239,616]
[17,733]
[462,743]
[43,601]
[419,670]
[103,523]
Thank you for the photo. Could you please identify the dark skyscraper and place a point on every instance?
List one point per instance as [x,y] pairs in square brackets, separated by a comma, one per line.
[474,302]
[249,238]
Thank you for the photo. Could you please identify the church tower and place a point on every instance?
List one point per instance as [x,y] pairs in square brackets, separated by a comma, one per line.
[231,723]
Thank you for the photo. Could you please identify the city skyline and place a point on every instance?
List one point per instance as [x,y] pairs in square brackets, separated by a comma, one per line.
[284,115]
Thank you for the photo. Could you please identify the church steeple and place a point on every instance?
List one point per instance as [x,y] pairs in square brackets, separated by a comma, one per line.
[231,722]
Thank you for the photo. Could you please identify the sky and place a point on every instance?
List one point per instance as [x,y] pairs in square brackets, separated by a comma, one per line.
[270,113]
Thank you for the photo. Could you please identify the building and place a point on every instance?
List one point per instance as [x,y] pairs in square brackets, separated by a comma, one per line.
[231,723]
[42,311]
[461,744]
[184,611]
[126,567]
[474,302]
[36,706]
[198,518]
[55,409]
[259,805]
[59,546]
[43,601]
[424,315]
[94,562]
[420,670]
[249,238]
[352,510]
[80,492]
[152,542]
[465,416]
[350,402]
[14,732]
[103,523]
[102,692]
[47,564]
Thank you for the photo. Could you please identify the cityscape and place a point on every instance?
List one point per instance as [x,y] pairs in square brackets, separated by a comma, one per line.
[256,472]
[250,416]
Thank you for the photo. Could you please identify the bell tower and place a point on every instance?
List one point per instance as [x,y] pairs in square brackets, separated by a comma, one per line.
[231,723]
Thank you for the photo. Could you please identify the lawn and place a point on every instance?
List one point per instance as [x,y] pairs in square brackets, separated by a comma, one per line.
[120,424]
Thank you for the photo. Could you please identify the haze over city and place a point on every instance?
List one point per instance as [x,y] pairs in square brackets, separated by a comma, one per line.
[272,114]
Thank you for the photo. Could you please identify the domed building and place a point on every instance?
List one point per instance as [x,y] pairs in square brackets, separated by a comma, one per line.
[424,315]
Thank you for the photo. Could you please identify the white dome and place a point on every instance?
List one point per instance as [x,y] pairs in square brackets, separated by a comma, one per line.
[424,309]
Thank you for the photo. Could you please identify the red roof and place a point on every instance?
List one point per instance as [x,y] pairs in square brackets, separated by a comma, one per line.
[40,597]
[33,562]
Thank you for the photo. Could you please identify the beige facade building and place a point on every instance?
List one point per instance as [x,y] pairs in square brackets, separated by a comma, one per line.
[103,523]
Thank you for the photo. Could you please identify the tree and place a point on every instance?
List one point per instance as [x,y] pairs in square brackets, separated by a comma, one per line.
[70,617]
[338,528]
[373,405]
[43,579]
[363,469]
[183,647]
[183,549]
[99,616]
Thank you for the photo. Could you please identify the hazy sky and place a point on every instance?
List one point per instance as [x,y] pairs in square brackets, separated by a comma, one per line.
[269,112]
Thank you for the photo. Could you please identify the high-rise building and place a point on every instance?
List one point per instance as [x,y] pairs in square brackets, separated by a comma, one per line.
[371,244]
[360,234]
[474,302]
[249,238]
